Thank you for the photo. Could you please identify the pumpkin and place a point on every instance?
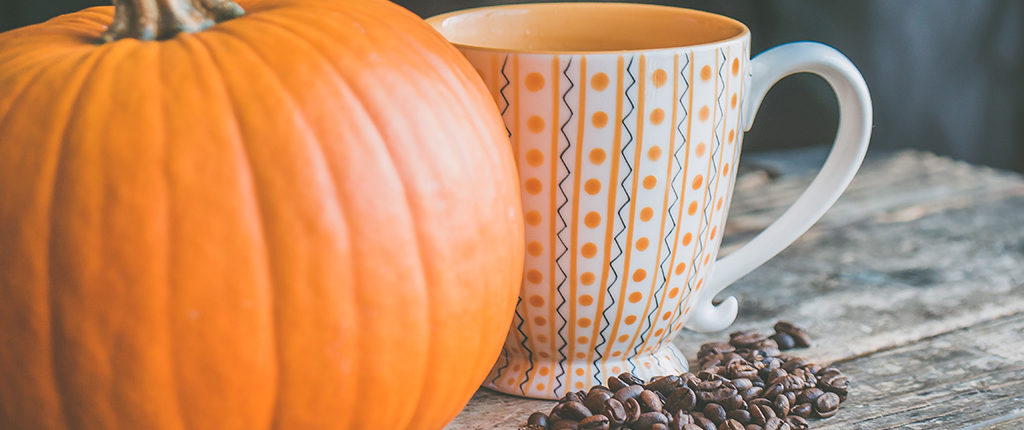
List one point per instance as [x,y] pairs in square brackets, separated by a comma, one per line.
[303,217]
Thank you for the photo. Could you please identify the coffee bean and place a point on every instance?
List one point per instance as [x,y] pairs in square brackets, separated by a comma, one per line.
[599,388]
[803,410]
[664,384]
[714,348]
[574,396]
[784,341]
[752,427]
[742,383]
[826,405]
[595,400]
[730,425]
[714,412]
[790,383]
[649,401]
[572,410]
[746,340]
[628,393]
[596,422]
[616,384]
[692,426]
[791,397]
[740,370]
[734,402]
[800,337]
[741,415]
[835,383]
[773,390]
[774,374]
[718,395]
[703,422]
[538,418]
[648,419]
[615,411]
[751,393]
[564,424]
[809,395]
[683,399]
[632,408]
[781,405]
[630,379]
[659,426]
[760,413]
[797,422]
[776,423]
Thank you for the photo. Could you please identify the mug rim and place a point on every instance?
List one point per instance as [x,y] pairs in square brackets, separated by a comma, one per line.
[743,33]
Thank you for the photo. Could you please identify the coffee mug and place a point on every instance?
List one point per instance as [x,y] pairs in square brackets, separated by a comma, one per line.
[626,122]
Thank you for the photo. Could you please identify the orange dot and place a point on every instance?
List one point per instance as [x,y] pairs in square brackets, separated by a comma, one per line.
[599,119]
[735,66]
[719,205]
[587,278]
[657,116]
[705,73]
[630,319]
[580,355]
[579,371]
[675,291]
[734,100]
[616,354]
[704,113]
[540,321]
[533,217]
[516,368]
[543,371]
[589,250]
[599,81]
[534,276]
[623,338]
[701,149]
[535,124]
[654,153]
[659,78]
[725,169]
[714,232]
[692,210]
[687,238]
[584,322]
[650,181]
[642,243]
[659,331]
[732,135]
[666,315]
[534,157]
[543,354]
[635,297]
[639,275]
[510,381]
[617,369]
[534,248]
[680,268]
[586,300]
[582,339]
[579,385]
[697,181]
[540,387]
[536,300]
[592,219]
[533,186]
[647,364]
[534,81]
[592,186]
[646,214]
[542,339]
[597,156]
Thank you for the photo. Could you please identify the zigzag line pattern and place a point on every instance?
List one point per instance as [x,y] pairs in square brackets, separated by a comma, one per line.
[611,263]
[505,352]
[502,92]
[627,178]
[562,228]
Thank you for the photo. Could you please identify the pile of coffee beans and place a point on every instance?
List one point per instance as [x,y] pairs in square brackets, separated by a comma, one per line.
[746,383]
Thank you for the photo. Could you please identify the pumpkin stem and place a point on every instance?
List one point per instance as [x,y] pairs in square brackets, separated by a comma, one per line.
[162,19]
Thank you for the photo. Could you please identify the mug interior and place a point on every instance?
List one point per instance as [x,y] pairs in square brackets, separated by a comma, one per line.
[584,27]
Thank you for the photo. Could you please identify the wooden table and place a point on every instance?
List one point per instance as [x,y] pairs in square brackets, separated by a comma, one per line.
[913,285]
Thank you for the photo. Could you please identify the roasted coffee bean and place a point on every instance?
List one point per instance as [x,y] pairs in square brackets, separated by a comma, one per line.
[659,426]
[538,418]
[800,337]
[599,388]
[717,395]
[596,422]
[628,393]
[773,390]
[703,422]
[683,399]
[774,374]
[714,412]
[751,393]
[797,422]
[532,427]
[664,384]
[828,371]
[692,426]
[826,405]
[809,395]
[734,402]
[573,396]
[649,401]
[714,348]
[747,340]
[752,427]
[790,383]
[595,400]
[781,404]
[813,368]
[630,379]
[760,413]
[615,411]
[632,408]
[803,410]
[838,384]
[741,370]
[681,418]
[791,397]
[564,424]
[776,423]
[615,384]
[741,415]
[572,410]
[784,341]
[767,347]
[648,419]
[730,425]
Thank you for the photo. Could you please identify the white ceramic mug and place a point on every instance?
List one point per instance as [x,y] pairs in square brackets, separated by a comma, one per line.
[626,122]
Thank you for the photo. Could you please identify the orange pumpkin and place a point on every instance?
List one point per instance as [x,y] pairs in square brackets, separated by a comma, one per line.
[303,217]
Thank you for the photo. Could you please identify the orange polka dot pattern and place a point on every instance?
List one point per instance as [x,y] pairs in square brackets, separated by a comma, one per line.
[622,159]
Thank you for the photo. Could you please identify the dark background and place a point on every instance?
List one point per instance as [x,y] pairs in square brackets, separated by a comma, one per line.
[945,75]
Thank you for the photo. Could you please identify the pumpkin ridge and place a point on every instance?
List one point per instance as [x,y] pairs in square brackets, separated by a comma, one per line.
[257,201]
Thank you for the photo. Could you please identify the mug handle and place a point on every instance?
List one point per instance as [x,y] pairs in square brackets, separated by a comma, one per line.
[843,161]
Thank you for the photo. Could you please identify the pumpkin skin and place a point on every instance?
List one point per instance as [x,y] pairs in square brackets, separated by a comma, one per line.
[304,217]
